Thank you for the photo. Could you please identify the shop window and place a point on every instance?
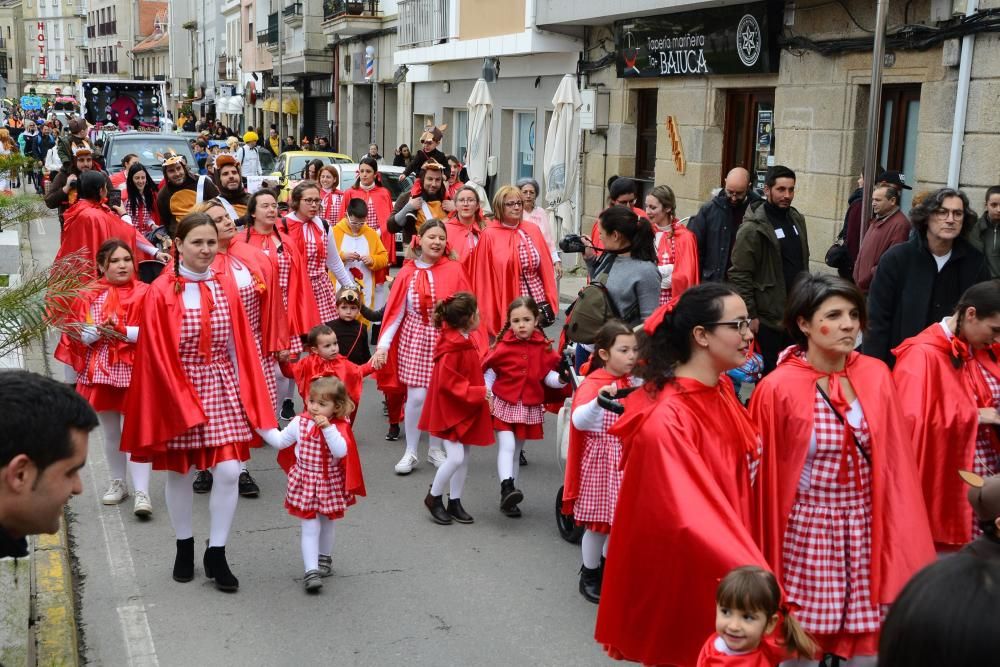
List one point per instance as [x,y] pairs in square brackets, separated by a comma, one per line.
[645,141]
[524,145]
[897,149]
[748,139]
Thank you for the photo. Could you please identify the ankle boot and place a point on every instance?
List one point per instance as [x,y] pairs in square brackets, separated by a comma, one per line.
[509,496]
[217,568]
[184,560]
[458,512]
[590,584]
[436,506]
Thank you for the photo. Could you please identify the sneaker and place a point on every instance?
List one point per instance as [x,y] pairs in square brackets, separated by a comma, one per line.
[117,492]
[436,457]
[142,507]
[202,482]
[393,433]
[248,487]
[312,581]
[325,566]
[407,464]
[287,409]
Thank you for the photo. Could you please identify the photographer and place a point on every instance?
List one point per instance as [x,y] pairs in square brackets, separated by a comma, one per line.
[62,193]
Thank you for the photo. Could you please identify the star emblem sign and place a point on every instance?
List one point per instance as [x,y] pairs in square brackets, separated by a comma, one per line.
[748,40]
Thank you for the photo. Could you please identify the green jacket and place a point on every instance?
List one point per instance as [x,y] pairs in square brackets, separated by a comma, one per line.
[756,264]
[985,237]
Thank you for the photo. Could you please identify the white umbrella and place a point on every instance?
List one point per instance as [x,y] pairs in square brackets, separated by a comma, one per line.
[560,164]
[480,107]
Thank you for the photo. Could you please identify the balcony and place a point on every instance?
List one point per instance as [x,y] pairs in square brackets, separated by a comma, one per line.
[292,14]
[221,66]
[267,37]
[423,22]
[350,17]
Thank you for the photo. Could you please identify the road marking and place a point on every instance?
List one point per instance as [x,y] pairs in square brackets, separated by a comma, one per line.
[39,227]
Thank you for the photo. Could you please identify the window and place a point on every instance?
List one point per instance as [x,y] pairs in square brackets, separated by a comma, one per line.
[645,136]
[748,140]
[898,145]
[460,142]
[69,31]
[524,145]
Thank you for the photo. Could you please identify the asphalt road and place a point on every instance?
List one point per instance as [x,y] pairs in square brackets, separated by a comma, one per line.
[405,591]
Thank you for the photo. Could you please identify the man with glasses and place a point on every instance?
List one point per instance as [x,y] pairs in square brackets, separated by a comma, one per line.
[920,282]
[715,224]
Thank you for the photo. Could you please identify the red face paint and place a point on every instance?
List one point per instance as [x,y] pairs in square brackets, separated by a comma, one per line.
[825,330]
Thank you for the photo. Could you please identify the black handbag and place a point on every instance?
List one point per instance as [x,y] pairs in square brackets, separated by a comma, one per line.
[547,316]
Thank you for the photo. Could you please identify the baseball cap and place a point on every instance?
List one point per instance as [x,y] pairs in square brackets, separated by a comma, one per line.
[894,178]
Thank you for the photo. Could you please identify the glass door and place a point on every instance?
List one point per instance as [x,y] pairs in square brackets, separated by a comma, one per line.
[524,145]
[748,140]
[898,143]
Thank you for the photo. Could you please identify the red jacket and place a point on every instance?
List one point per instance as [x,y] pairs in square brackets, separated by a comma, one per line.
[456,407]
[767,654]
[521,367]
[308,368]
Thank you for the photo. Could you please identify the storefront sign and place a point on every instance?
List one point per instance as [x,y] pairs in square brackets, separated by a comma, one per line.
[42,57]
[741,39]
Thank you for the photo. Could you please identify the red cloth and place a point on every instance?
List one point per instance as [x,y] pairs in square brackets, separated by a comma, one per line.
[782,406]
[942,420]
[89,225]
[308,368]
[123,305]
[685,259]
[495,272]
[456,407]
[380,198]
[521,367]
[458,237]
[354,479]
[682,521]
[273,318]
[767,654]
[157,373]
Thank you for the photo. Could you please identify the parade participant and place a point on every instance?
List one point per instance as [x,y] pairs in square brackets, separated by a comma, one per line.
[196,347]
[405,349]
[517,370]
[314,242]
[428,199]
[984,497]
[311,170]
[140,200]
[676,247]
[511,261]
[456,410]
[593,471]
[684,508]
[748,610]
[948,381]
[402,157]
[332,207]
[369,189]
[62,190]
[360,249]
[454,181]
[465,224]
[289,266]
[325,477]
[247,156]
[840,515]
[76,139]
[622,192]
[100,349]
[181,191]
[119,179]
[227,179]
[529,190]
[429,142]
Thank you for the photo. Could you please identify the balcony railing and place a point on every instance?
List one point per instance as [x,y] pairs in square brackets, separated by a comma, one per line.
[269,36]
[108,28]
[221,66]
[335,8]
[423,22]
[294,9]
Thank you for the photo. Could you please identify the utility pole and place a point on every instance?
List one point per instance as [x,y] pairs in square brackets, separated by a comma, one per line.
[874,109]
[281,80]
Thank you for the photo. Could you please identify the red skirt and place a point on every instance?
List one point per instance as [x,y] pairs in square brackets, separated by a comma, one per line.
[521,431]
[205,458]
[103,397]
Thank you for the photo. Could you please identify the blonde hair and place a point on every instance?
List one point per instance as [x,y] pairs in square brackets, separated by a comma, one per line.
[333,389]
[5,139]
[505,191]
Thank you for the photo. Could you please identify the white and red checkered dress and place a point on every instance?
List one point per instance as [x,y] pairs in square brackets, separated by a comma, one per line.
[332,208]
[319,278]
[372,218]
[214,381]
[986,462]
[827,549]
[530,261]
[316,481]
[417,339]
[668,256]
[252,298]
[284,276]
[142,218]
[518,413]
[103,381]
[600,477]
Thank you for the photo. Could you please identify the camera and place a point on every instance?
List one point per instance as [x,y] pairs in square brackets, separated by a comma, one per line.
[572,243]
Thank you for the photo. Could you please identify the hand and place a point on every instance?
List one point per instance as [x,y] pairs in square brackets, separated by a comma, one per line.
[352,257]
[989,416]
[162,257]
[489,399]
[416,202]
[402,177]
[379,359]
[120,210]
[367,260]
[448,205]
[588,251]
[558,269]
[609,390]
[755,325]
[283,356]
[321,421]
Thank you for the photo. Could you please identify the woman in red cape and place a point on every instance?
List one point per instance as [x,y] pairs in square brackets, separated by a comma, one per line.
[839,513]
[948,381]
[100,348]
[465,224]
[332,207]
[197,349]
[511,260]
[369,189]
[404,354]
[676,247]
[684,510]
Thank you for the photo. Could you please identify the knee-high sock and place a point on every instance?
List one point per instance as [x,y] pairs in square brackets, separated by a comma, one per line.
[458,479]
[310,544]
[222,501]
[505,455]
[415,397]
[445,474]
[327,533]
[592,545]
[140,475]
[180,503]
[516,461]
[111,426]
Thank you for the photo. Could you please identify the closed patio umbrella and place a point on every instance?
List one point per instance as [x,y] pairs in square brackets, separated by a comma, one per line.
[560,162]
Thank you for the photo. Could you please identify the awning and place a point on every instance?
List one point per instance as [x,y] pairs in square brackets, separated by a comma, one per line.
[234,106]
[270,104]
[290,106]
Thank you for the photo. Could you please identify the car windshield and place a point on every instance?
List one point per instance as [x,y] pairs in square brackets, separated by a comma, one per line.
[297,163]
[149,148]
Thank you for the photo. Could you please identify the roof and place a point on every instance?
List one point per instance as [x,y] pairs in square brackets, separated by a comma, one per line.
[149,15]
[159,40]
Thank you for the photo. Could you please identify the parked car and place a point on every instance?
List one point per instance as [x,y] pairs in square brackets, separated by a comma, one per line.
[390,179]
[149,146]
[289,166]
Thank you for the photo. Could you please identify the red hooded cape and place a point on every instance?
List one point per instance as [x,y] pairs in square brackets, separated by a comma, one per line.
[682,521]
[125,308]
[449,278]
[940,413]
[303,313]
[273,318]
[458,237]
[782,407]
[456,407]
[686,273]
[88,225]
[382,201]
[306,369]
[354,479]
[495,272]
[157,374]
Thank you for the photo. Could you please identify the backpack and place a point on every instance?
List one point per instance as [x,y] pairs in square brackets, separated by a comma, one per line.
[592,307]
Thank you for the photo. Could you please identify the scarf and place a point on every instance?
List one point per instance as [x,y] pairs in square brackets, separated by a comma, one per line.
[207,307]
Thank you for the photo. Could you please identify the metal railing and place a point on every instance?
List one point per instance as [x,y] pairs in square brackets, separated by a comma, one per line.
[269,36]
[336,8]
[294,9]
[423,22]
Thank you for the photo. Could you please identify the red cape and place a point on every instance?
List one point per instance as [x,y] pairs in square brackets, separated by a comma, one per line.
[521,367]
[768,654]
[682,521]
[782,407]
[306,369]
[456,406]
[158,376]
[942,421]
[354,479]
[87,226]
[458,237]
[382,201]
[686,272]
[273,318]
[71,350]
[495,272]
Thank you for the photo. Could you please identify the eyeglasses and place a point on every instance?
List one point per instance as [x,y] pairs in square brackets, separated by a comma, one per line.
[312,200]
[514,204]
[466,200]
[741,325]
[952,214]
[736,195]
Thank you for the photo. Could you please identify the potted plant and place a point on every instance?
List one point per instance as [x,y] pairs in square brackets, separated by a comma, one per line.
[355,7]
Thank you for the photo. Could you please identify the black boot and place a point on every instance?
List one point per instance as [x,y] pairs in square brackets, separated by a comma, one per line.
[436,506]
[590,584]
[184,560]
[509,496]
[458,512]
[217,568]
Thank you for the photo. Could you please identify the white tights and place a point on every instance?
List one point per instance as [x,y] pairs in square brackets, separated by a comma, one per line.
[856,661]
[593,545]
[317,538]
[221,502]
[508,455]
[111,425]
[453,471]
[286,386]
[415,397]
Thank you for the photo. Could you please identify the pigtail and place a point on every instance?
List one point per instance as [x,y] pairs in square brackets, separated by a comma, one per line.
[178,286]
[795,638]
[503,330]
[438,316]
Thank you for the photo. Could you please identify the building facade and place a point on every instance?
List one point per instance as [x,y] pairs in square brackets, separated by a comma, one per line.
[11,48]
[56,33]
[152,54]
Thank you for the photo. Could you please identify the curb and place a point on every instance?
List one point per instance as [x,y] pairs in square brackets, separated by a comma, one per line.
[55,622]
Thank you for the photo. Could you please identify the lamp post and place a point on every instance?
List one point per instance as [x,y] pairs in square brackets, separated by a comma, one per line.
[874,108]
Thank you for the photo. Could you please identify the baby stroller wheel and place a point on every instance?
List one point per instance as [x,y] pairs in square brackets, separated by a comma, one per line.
[568,530]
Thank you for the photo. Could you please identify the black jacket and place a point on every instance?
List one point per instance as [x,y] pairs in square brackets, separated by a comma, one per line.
[899,301]
[711,227]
